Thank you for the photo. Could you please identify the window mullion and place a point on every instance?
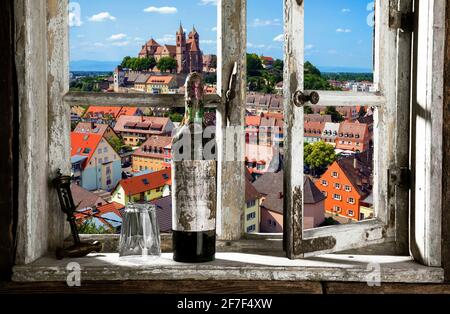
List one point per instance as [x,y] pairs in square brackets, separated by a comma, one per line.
[231,34]
[135,100]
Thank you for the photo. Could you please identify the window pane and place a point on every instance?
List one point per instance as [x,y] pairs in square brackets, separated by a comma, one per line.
[339,45]
[338,167]
[264,116]
[132,47]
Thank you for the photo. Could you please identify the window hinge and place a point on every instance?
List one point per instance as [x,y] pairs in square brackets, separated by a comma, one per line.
[403,21]
[400,177]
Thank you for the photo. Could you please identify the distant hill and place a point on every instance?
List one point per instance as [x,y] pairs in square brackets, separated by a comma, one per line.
[332,69]
[93,65]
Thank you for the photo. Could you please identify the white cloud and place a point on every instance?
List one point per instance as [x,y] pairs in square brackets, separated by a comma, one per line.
[259,23]
[117,37]
[167,38]
[74,20]
[342,30]
[161,10]
[345,10]
[101,17]
[208,41]
[138,39]
[279,38]
[121,43]
[332,52]
[309,47]
[251,45]
[208,2]
[99,45]
[214,29]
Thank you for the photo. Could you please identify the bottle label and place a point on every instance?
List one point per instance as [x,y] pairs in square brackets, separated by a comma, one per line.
[194,195]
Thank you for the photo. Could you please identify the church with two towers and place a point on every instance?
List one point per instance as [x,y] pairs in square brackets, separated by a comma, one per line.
[186,52]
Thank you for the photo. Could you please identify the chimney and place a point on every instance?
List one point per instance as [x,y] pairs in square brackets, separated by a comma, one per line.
[92,125]
[355,163]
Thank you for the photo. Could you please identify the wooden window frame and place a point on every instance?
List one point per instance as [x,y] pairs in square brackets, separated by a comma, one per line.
[44,122]
[392,50]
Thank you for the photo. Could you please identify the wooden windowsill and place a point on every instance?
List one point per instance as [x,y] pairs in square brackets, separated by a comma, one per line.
[233,266]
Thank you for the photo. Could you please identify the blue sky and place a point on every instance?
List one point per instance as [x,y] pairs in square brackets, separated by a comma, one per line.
[336,31]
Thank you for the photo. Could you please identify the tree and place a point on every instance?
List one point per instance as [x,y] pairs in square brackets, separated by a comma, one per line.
[176,117]
[116,143]
[167,64]
[89,227]
[145,64]
[126,62]
[314,78]
[336,117]
[138,64]
[254,65]
[319,155]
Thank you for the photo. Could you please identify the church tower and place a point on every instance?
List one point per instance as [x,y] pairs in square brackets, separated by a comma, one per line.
[195,54]
[181,53]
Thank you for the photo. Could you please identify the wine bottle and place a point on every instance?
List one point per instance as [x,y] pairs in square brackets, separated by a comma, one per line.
[193,184]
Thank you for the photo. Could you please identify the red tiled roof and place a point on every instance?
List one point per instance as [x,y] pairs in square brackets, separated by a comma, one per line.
[314,128]
[146,182]
[128,111]
[86,127]
[84,198]
[171,48]
[152,42]
[84,144]
[252,120]
[353,129]
[160,79]
[111,207]
[266,58]
[115,112]
[251,194]
[274,115]
[95,110]
[152,142]
[159,123]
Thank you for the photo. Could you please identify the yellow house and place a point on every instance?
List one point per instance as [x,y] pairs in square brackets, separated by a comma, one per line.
[161,84]
[366,208]
[140,83]
[154,154]
[144,188]
[252,208]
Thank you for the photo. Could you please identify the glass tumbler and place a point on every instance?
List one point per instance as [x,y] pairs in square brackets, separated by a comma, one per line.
[139,234]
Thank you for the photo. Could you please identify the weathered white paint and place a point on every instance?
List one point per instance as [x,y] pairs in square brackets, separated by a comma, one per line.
[349,99]
[235,266]
[134,100]
[428,120]
[230,136]
[31,64]
[387,139]
[58,114]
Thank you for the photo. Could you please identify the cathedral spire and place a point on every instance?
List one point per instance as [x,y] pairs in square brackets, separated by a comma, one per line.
[181,30]
[193,29]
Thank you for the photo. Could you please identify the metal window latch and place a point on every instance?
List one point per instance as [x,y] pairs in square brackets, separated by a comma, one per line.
[401,20]
[401,177]
[300,98]
[230,95]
